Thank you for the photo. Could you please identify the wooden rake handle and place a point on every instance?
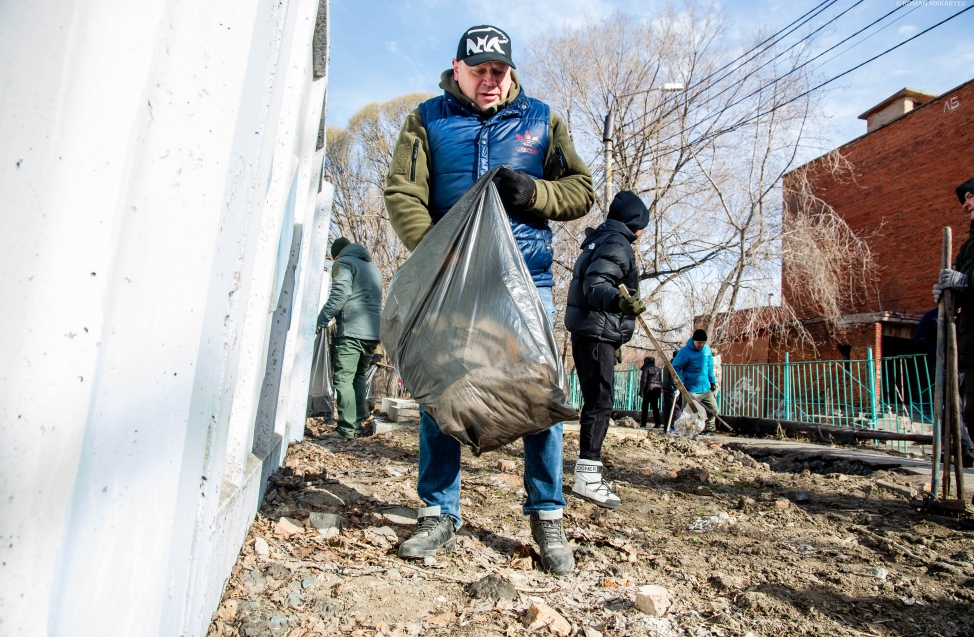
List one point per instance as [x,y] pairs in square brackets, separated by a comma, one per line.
[687,399]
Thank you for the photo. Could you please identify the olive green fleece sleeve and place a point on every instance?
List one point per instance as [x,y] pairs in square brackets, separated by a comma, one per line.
[567,191]
[407,192]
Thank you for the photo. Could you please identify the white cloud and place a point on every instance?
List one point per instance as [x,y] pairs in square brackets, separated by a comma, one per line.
[394,47]
[906,29]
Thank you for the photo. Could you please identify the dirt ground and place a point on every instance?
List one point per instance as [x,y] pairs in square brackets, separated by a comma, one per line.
[744,547]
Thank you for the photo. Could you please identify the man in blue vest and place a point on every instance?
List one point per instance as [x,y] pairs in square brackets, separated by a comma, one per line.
[484,120]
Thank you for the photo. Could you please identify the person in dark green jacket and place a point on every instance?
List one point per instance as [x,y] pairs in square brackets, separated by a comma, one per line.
[355,302]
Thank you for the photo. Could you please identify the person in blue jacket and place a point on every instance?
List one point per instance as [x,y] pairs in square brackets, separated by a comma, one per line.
[694,364]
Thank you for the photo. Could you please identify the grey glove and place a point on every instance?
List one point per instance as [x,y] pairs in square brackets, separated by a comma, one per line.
[952,280]
[937,293]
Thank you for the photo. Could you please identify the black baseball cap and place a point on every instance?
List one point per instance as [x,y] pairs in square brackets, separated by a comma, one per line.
[485,43]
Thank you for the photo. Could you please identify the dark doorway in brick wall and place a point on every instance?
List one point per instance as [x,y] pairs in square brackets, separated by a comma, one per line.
[893,346]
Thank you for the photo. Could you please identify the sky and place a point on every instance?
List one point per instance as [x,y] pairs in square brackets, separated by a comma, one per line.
[382,48]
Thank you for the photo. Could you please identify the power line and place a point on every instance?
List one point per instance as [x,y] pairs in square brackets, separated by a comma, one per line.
[781,77]
[814,88]
[801,19]
[871,35]
[780,54]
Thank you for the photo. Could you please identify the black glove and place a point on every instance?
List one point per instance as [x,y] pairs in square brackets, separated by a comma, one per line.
[713,386]
[517,189]
[632,306]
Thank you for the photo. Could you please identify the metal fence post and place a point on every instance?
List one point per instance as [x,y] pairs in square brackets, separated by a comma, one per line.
[787,387]
[633,386]
[872,388]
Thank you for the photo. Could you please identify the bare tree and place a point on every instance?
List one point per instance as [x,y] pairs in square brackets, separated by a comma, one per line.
[709,161]
[827,269]
[357,160]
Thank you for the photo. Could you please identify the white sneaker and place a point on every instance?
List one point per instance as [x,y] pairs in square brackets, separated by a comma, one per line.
[589,484]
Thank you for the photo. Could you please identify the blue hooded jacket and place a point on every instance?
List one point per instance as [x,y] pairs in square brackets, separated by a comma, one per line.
[695,367]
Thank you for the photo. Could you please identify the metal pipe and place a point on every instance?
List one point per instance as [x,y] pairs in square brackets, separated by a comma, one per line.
[607,132]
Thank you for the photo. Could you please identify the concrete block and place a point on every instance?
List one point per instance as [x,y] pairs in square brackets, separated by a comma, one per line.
[541,615]
[399,515]
[653,600]
[328,524]
[507,466]
[398,413]
[383,427]
[287,527]
[389,403]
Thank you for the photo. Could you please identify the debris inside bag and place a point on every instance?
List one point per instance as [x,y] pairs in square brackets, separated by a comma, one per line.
[464,327]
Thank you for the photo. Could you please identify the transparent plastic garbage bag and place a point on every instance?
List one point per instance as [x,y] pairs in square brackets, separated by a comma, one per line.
[464,327]
[690,424]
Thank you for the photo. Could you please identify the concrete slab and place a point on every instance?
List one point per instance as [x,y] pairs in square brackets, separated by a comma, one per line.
[388,403]
[872,459]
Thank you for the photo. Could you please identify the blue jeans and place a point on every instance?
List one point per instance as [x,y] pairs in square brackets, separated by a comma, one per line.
[439,461]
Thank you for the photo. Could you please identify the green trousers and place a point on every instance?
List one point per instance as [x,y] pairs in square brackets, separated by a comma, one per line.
[351,362]
[708,400]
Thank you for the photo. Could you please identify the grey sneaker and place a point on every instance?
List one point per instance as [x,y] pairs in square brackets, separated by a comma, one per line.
[434,534]
[556,553]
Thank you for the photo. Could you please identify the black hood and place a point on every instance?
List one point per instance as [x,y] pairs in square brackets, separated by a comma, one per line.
[607,227]
[628,208]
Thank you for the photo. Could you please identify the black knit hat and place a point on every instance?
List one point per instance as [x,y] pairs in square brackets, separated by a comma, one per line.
[338,245]
[964,188]
[629,209]
[699,335]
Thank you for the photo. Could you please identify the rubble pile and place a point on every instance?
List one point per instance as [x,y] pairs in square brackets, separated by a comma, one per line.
[708,541]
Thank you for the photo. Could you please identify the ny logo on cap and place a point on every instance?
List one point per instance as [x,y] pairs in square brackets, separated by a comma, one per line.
[490,42]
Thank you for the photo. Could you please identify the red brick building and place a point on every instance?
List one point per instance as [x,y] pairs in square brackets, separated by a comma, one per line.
[918,147]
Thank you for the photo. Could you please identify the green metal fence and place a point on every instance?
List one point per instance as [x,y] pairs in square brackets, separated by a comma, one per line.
[626,389]
[881,393]
[892,394]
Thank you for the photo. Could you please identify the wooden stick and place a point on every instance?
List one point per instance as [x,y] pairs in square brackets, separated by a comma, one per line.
[950,378]
[953,399]
[687,398]
[938,399]
[888,542]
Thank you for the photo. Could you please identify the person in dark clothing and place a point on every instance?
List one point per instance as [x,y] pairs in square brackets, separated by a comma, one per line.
[355,302]
[672,401]
[958,279]
[650,390]
[600,321]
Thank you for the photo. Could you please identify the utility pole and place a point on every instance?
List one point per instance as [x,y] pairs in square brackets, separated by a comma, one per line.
[608,130]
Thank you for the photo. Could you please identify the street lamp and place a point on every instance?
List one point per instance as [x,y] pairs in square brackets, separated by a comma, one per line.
[608,130]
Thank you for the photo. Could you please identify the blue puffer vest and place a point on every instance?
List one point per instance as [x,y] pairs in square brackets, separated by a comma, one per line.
[464,146]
